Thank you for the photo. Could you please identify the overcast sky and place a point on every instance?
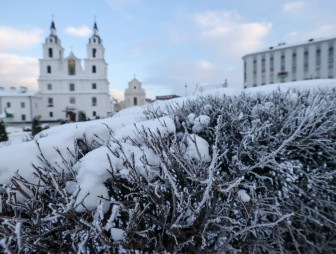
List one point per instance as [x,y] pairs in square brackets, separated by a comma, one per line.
[167,44]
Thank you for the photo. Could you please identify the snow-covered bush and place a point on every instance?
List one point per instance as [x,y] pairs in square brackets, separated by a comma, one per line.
[253,173]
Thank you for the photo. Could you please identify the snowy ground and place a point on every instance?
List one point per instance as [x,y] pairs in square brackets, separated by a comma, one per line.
[16,135]
[18,155]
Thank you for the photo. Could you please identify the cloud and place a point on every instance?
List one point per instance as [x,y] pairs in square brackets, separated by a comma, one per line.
[18,71]
[117,94]
[218,38]
[322,31]
[227,31]
[293,6]
[82,31]
[205,65]
[326,30]
[15,39]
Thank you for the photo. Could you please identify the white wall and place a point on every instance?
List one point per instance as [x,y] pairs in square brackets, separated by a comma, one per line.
[256,79]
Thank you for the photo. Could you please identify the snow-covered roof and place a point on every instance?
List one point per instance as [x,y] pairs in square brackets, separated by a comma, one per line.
[283,45]
[17,93]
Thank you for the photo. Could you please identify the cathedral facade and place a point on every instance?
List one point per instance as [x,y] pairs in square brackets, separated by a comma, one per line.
[68,89]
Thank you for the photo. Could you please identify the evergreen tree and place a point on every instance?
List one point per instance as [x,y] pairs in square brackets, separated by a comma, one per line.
[81,116]
[36,125]
[3,133]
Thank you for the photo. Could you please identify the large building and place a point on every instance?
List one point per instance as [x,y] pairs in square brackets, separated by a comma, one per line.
[18,105]
[313,59]
[66,88]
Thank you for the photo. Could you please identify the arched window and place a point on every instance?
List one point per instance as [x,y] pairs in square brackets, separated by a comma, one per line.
[135,101]
[71,67]
[48,69]
[94,52]
[50,52]
[94,69]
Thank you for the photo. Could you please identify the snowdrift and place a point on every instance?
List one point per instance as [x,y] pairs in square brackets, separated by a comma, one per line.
[226,171]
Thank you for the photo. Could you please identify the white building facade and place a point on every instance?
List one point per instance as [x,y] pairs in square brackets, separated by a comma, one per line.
[18,105]
[65,88]
[135,95]
[314,59]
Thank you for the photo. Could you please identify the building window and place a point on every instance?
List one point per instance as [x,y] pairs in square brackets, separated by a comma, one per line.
[8,104]
[305,63]
[271,63]
[72,100]
[23,105]
[50,102]
[48,69]
[94,101]
[94,69]
[51,114]
[94,113]
[318,63]
[263,69]
[49,87]
[245,75]
[330,61]
[294,59]
[135,101]
[263,65]
[94,86]
[330,55]
[50,52]
[72,87]
[271,69]
[255,66]
[94,52]
[23,117]
[71,67]
[282,62]
[254,71]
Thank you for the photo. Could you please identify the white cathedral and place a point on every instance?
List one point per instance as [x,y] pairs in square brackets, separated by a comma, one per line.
[65,88]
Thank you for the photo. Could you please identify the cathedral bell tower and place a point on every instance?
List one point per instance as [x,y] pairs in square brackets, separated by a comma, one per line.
[95,61]
[95,48]
[52,48]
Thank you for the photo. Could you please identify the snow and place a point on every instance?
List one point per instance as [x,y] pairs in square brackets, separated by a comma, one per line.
[297,85]
[197,148]
[242,194]
[117,234]
[93,168]
[200,123]
[107,135]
